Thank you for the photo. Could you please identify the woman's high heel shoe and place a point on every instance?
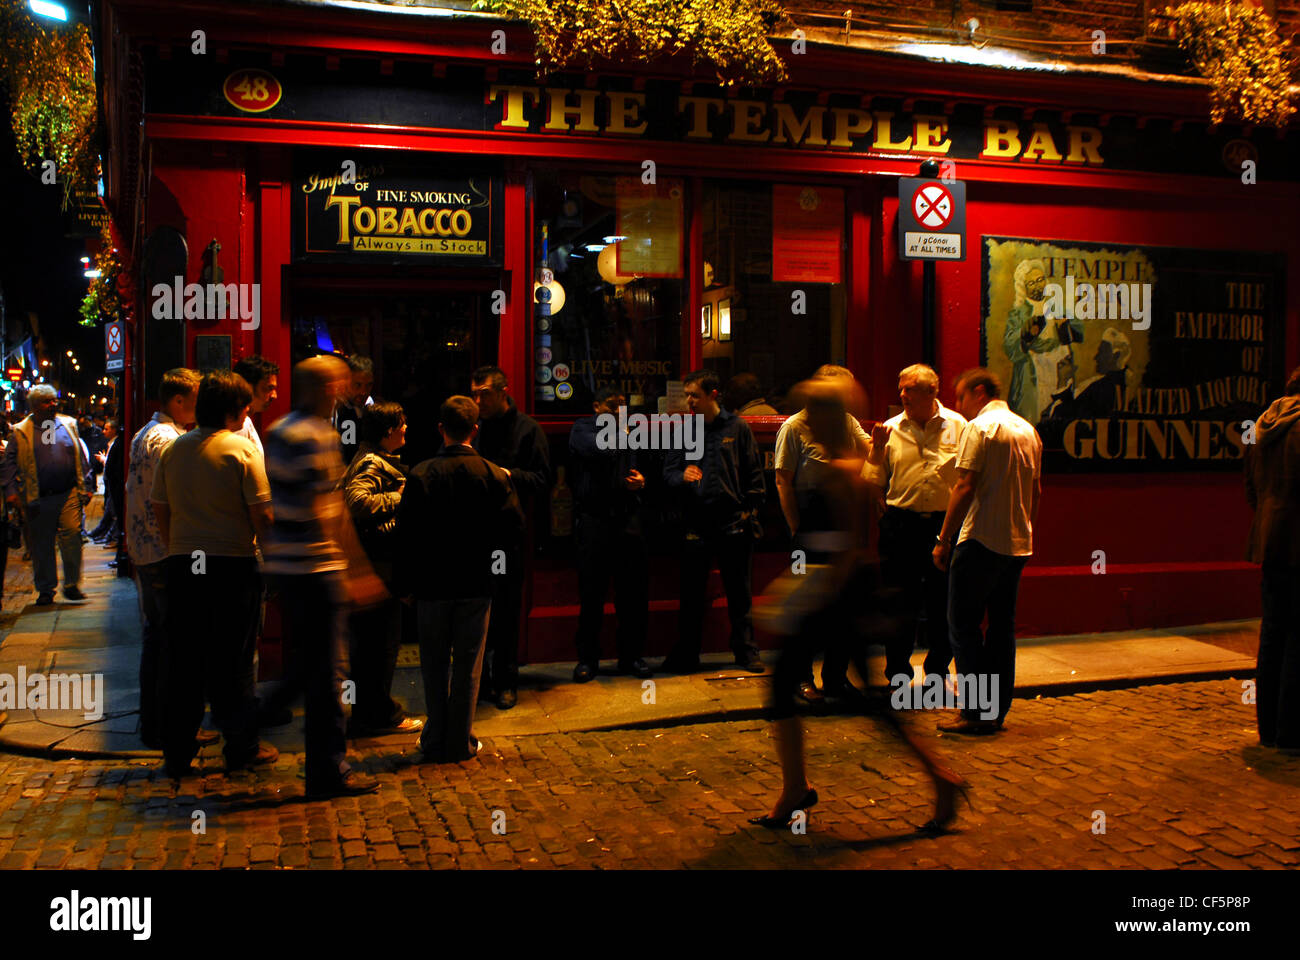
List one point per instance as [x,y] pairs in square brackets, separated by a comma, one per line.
[777,823]
[947,787]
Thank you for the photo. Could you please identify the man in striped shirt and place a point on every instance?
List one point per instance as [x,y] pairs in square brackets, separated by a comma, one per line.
[311,551]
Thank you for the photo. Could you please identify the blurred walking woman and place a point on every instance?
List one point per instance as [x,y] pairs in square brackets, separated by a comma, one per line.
[372,489]
[839,586]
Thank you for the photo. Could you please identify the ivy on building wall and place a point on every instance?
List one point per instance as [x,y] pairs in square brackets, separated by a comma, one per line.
[732,36]
[111,292]
[1237,48]
[49,77]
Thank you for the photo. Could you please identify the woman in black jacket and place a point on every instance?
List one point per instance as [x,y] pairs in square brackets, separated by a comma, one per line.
[372,489]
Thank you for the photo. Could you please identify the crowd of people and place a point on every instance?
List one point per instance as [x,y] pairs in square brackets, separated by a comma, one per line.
[921,526]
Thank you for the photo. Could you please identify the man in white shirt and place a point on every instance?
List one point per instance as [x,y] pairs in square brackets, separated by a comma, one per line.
[995,502]
[913,464]
[177,394]
[263,378]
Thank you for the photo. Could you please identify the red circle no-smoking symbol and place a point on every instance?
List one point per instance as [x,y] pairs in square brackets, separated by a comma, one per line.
[932,206]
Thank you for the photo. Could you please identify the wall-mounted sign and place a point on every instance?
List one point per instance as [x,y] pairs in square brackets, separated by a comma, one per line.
[14,373]
[931,219]
[375,206]
[807,234]
[114,346]
[1130,358]
[252,91]
[890,124]
[211,353]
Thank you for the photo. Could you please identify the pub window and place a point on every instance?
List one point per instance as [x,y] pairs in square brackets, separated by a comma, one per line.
[612,310]
[774,293]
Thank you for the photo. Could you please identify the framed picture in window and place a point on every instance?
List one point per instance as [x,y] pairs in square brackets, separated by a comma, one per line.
[724,320]
[706,321]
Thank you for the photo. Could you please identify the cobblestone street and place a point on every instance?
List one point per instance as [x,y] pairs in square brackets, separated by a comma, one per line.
[1175,770]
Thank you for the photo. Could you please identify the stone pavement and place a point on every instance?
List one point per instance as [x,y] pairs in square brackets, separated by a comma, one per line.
[103,636]
[1174,770]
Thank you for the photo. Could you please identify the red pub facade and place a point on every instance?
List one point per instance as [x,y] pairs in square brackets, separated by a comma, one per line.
[382,182]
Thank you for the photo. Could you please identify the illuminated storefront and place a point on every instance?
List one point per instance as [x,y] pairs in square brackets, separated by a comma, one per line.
[389,188]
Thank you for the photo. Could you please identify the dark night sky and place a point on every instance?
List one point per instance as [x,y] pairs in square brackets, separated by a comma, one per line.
[40,268]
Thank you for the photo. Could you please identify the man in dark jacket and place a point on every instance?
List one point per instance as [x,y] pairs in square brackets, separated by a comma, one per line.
[1273,489]
[515,443]
[455,523]
[608,540]
[723,492]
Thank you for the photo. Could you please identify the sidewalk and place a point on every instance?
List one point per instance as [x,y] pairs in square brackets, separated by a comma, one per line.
[103,636]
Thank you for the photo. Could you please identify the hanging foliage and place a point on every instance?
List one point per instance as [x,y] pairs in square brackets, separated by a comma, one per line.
[1238,49]
[49,77]
[111,292]
[730,35]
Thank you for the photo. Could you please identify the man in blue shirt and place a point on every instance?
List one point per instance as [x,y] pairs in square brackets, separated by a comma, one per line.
[43,470]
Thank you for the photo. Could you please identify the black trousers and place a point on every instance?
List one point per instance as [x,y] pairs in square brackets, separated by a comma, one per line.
[151,583]
[501,662]
[607,551]
[735,555]
[374,639]
[209,637]
[1277,699]
[907,541]
[315,610]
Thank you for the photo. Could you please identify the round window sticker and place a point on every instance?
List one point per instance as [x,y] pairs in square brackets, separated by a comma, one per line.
[561,371]
[543,324]
[546,394]
[544,355]
[564,390]
[543,374]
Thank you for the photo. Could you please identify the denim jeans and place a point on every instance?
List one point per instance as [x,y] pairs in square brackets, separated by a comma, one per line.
[981,581]
[1277,695]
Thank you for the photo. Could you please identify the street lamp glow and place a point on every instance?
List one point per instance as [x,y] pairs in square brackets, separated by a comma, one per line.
[69,353]
[85,259]
[52,10]
[92,274]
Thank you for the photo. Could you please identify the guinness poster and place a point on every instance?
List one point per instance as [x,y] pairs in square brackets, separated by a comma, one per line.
[1134,359]
[377,207]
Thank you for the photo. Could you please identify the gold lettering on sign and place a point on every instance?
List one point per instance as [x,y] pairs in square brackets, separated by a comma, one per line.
[513,100]
[883,142]
[745,115]
[624,109]
[1001,139]
[699,108]
[1041,146]
[849,122]
[558,111]
[789,129]
[929,134]
[1084,144]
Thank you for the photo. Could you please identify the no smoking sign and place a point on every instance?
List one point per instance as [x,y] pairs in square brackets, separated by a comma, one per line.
[114,347]
[931,219]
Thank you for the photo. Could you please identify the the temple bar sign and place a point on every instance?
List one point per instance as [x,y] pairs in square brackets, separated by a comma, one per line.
[811,125]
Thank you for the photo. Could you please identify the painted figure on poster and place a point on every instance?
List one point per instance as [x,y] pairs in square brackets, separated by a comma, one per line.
[1037,345]
[1099,396]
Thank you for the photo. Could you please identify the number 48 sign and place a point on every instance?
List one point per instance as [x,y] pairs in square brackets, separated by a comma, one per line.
[252,91]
